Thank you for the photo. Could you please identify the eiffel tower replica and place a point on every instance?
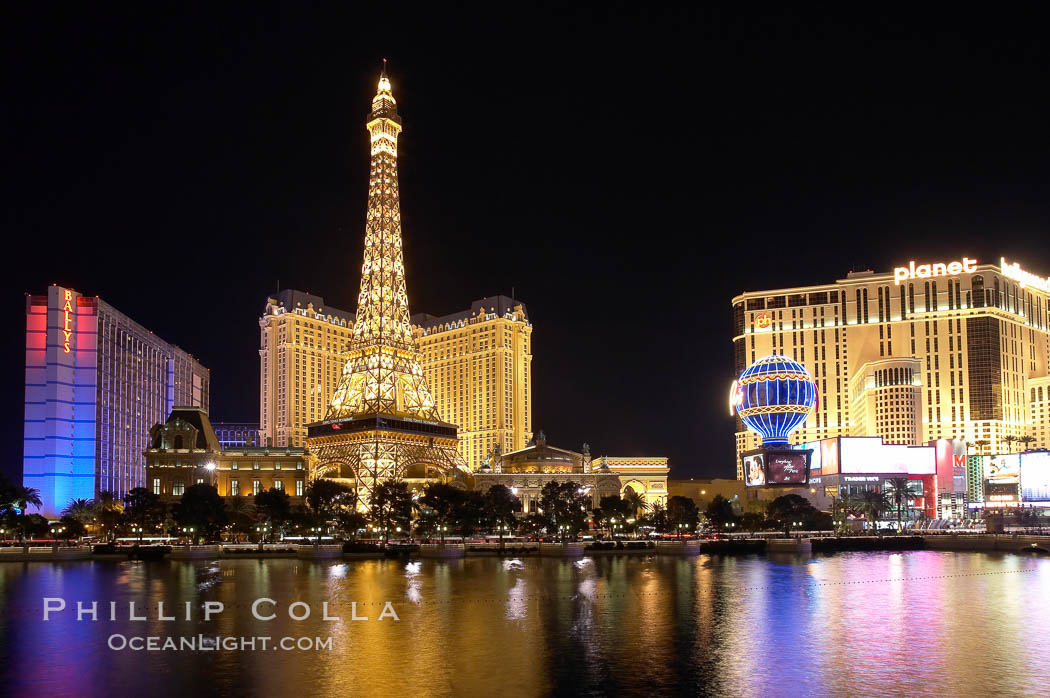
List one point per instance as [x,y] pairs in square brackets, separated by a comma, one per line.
[382,424]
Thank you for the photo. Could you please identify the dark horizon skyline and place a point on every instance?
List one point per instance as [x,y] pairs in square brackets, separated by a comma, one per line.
[626,171]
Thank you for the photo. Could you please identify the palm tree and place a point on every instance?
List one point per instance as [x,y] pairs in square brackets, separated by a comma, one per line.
[635,502]
[500,505]
[1026,440]
[1010,439]
[873,503]
[107,510]
[79,509]
[22,497]
[900,496]
[982,444]
[658,516]
[240,512]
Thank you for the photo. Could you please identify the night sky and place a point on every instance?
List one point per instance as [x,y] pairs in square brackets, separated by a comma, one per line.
[627,171]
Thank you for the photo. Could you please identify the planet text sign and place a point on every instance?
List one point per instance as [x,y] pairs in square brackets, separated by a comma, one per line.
[925,271]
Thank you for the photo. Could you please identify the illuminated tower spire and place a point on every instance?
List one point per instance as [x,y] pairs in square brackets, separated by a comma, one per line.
[383,373]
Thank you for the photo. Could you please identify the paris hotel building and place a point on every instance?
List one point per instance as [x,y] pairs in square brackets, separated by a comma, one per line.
[934,349]
[477,363]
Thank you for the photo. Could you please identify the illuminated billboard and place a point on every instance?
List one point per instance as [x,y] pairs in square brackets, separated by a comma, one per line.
[787,467]
[1003,469]
[755,470]
[829,456]
[1035,477]
[814,459]
[824,459]
[864,454]
[781,467]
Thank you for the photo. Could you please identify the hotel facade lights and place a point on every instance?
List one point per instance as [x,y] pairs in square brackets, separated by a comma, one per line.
[96,381]
[478,365]
[237,434]
[477,362]
[185,451]
[302,352]
[951,347]
[1039,412]
[885,400]
[526,471]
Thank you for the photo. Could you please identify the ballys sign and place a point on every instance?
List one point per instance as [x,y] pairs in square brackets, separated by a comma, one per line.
[67,319]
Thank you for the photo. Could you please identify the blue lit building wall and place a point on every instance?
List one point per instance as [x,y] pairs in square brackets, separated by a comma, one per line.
[60,397]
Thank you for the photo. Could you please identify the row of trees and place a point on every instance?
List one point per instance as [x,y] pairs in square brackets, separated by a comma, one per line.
[792,511]
[1010,439]
[440,510]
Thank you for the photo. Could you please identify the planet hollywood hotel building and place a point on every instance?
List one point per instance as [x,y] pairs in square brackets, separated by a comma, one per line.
[96,382]
[953,349]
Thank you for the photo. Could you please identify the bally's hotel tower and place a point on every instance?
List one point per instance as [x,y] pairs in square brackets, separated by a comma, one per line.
[96,381]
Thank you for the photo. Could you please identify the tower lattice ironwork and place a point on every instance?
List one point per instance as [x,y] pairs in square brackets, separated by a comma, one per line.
[382,423]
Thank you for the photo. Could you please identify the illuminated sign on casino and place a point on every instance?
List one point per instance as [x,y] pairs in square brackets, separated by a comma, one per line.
[1015,272]
[925,271]
[787,468]
[763,321]
[868,454]
[1035,476]
[1003,469]
[67,310]
[755,470]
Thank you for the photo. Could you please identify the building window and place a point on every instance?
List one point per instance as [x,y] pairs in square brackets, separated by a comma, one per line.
[256,486]
[277,465]
[298,488]
[235,488]
[156,485]
[178,487]
[278,485]
[200,481]
[233,465]
[299,465]
[255,465]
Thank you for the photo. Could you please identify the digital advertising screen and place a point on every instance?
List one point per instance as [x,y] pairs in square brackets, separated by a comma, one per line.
[814,459]
[829,457]
[1035,477]
[1000,492]
[755,469]
[787,467]
[863,454]
[1004,468]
